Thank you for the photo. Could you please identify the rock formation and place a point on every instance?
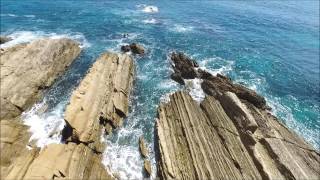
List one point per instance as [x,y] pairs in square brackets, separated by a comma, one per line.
[4,39]
[145,154]
[229,135]
[28,69]
[134,48]
[100,99]
[142,147]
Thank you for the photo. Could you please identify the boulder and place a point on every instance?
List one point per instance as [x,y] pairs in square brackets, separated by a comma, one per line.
[143,148]
[4,39]
[28,69]
[125,48]
[137,48]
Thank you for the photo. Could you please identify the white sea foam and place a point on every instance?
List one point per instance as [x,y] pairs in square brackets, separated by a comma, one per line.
[10,15]
[150,21]
[19,37]
[29,16]
[149,9]
[193,86]
[45,127]
[286,114]
[127,157]
[182,29]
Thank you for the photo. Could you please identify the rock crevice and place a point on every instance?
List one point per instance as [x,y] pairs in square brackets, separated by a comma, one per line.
[230,135]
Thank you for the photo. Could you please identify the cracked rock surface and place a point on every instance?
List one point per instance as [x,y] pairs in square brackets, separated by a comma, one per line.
[28,69]
[229,135]
[100,99]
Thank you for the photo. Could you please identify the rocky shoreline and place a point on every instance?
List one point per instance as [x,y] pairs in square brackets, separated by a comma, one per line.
[231,134]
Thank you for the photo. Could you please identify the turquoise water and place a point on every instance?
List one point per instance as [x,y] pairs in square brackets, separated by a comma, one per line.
[269,46]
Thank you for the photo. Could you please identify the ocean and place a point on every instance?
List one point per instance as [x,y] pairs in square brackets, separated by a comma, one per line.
[268,46]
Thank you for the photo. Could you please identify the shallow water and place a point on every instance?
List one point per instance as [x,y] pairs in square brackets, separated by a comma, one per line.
[271,47]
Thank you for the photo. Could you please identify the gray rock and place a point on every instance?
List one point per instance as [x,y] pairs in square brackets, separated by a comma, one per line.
[4,39]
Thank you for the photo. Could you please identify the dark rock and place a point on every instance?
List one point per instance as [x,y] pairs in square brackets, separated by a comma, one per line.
[125,48]
[177,77]
[4,39]
[217,85]
[184,65]
[136,48]
[203,74]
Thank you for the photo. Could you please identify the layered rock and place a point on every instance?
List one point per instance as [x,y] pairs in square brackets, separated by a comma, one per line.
[101,98]
[187,68]
[28,69]
[229,135]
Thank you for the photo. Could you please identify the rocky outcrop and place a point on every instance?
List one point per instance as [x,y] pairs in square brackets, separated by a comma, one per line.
[100,99]
[142,147]
[4,39]
[134,48]
[187,68]
[145,154]
[229,135]
[28,69]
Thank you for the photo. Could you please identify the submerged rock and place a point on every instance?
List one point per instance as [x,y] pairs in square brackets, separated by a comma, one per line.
[28,69]
[137,48]
[4,39]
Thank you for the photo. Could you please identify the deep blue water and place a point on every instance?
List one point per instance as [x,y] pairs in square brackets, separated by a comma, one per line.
[269,46]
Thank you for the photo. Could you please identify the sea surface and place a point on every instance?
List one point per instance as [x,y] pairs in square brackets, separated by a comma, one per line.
[269,46]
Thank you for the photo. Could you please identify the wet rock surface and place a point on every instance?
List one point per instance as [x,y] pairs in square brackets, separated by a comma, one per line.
[229,135]
[101,98]
[134,48]
[4,39]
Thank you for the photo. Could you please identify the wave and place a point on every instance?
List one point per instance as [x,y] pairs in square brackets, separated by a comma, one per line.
[10,15]
[19,37]
[30,16]
[150,21]
[148,8]
[45,127]
[181,29]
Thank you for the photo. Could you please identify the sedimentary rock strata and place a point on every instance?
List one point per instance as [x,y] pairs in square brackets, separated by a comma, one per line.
[229,135]
[28,69]
[102,96]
